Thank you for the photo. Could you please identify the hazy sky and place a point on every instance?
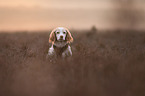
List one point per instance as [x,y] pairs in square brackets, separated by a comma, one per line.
[79,14]
[56,3]
[65,3]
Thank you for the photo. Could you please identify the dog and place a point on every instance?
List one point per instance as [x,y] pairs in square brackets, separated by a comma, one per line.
[60,38]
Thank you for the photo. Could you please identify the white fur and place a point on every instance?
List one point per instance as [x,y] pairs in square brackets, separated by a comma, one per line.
[60,31]
[61,42]
[51,51]
[67,52]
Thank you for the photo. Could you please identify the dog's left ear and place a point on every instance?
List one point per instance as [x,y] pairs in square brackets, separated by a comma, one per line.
[69,37]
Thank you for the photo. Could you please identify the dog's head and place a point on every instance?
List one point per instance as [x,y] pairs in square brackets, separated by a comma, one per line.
[60,34]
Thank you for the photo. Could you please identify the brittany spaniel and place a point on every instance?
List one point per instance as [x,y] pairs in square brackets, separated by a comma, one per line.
[60,39]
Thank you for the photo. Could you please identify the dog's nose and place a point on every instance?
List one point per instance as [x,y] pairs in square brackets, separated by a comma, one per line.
[61,37]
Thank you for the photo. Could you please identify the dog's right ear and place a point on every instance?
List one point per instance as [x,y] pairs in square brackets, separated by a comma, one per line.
[52,37]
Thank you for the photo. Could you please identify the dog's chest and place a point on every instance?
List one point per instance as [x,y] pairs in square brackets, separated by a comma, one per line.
[59,50]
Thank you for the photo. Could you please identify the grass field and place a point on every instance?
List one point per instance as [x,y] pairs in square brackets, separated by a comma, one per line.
[109,63]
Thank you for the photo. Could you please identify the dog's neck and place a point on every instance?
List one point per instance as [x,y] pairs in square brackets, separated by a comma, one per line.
[60,44]
[60,50]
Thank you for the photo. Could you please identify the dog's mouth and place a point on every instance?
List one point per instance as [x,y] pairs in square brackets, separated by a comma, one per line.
[61,40]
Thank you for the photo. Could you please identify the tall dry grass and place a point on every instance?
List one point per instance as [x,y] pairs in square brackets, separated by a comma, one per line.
[109,63]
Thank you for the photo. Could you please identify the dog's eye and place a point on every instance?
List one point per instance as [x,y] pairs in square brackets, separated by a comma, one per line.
[57,32]
[63,32]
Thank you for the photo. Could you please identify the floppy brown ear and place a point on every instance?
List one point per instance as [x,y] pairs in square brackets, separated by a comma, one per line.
[69,38]
[52,37]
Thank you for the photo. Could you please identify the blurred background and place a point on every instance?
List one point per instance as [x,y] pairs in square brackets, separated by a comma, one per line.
[108,49]
[74,14]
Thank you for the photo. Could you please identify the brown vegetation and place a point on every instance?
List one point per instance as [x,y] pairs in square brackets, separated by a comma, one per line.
[103,64]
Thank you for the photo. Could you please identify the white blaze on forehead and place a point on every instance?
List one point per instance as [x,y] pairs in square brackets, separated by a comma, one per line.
[60,29]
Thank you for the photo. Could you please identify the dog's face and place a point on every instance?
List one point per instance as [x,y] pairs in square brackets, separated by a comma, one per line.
[60,34]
